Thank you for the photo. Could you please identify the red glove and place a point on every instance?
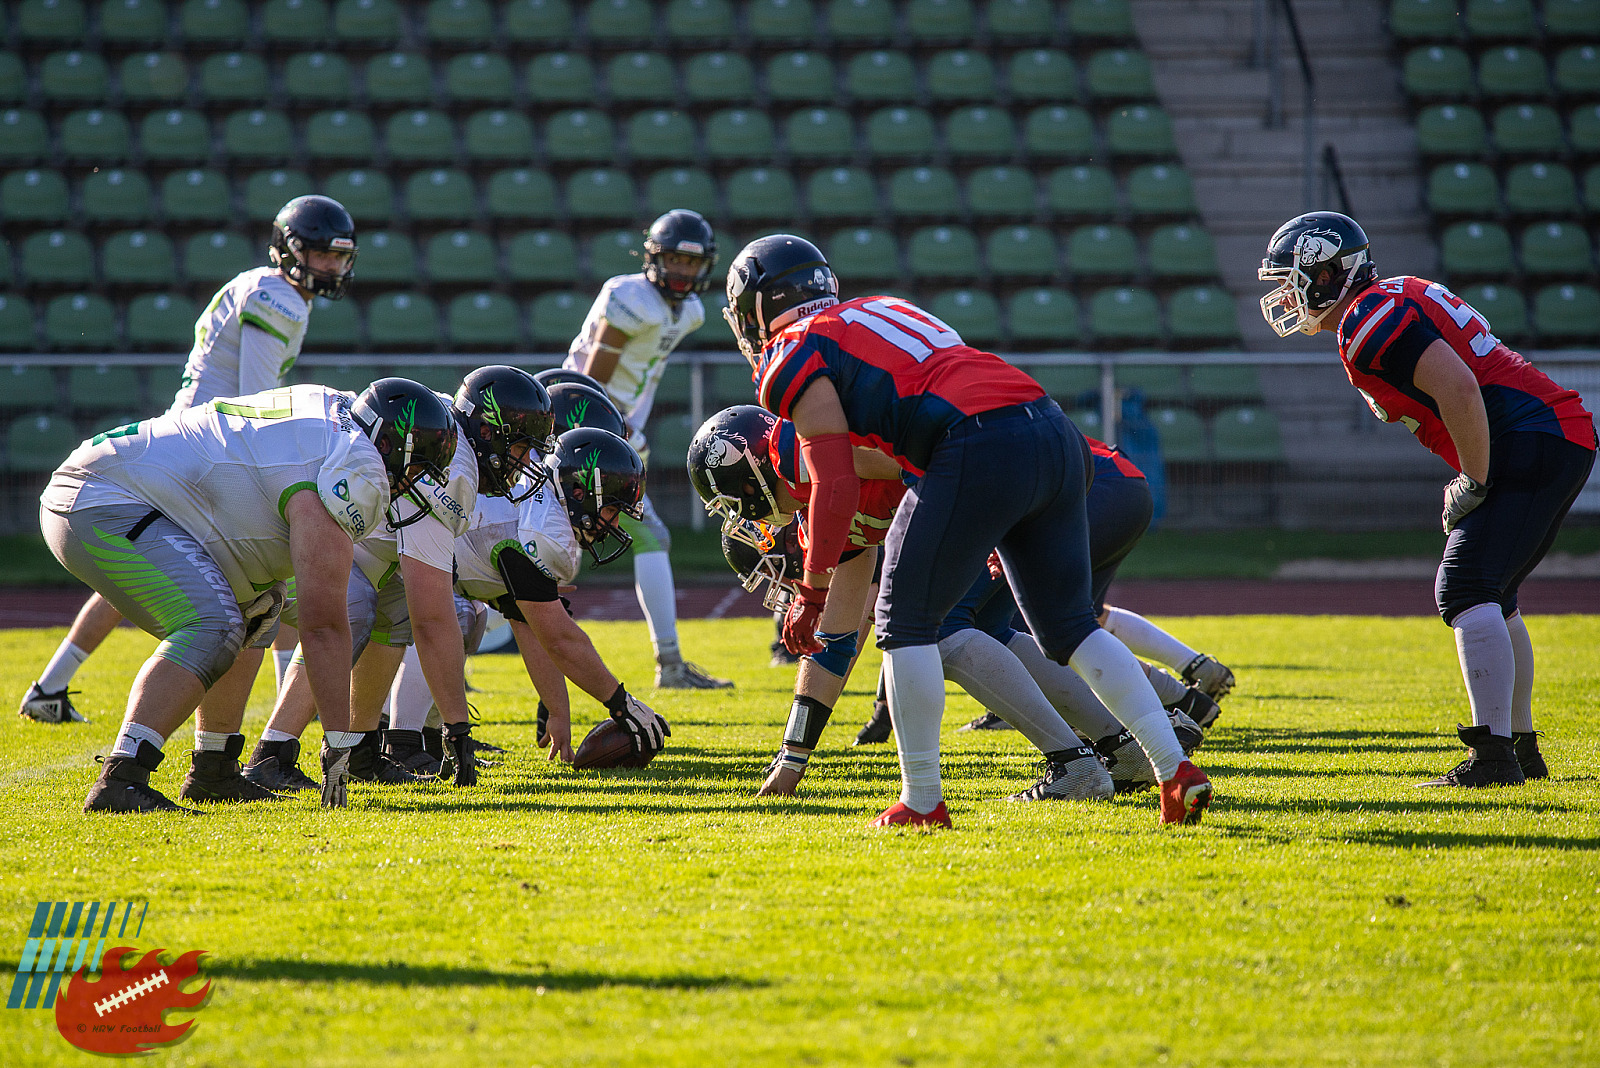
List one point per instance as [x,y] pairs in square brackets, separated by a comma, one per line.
[997,570]
[800,625]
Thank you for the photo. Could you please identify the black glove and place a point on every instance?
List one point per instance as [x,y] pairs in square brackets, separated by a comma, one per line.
[458,747]
[542,721]
[335,776]
[646,727]
[1461,495]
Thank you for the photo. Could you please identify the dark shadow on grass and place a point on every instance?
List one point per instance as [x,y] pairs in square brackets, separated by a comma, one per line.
[1285,697]
[1244,739]
[1403,839]
[392,973]
[1500,800]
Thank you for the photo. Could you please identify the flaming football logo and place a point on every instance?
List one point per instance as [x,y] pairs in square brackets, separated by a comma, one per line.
[121,1012]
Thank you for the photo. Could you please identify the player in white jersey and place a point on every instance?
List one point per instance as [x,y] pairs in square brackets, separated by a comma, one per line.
[631,330]
[244,342]
[191,524]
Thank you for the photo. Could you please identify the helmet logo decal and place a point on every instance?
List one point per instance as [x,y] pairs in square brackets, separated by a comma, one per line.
[692,247]
[1316,246]
[738,278]
[578,414]
[720,452]
[491,408]
[591,471]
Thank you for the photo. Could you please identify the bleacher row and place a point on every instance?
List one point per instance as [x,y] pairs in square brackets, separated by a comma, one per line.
[1508,116]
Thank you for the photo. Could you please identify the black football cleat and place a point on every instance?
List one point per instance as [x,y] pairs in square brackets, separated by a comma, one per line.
[1071,775]
[987,722]
[54,707]
[1491,761]
[215,776]
[1208,675]
[406,749]
[276,766]
[368,764]
[1126,762]
[1526,745]
[878,728]
[1198,706]
[1186,730]
[124,785]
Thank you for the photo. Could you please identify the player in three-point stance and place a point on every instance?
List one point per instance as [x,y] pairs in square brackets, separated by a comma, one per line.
[880,371]
[1522,445]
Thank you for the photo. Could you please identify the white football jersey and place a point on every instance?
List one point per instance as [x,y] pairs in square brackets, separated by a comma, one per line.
[224,472]
[654,328]
[229,360]
[430,540]
[538,527]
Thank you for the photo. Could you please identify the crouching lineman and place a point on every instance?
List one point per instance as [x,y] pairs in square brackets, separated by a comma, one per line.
[191,524]
[1522,445]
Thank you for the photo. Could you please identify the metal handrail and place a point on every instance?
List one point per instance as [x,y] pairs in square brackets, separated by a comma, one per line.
[1333,180]
[1267,43]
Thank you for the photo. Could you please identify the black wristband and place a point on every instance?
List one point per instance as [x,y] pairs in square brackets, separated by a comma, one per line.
[617,703]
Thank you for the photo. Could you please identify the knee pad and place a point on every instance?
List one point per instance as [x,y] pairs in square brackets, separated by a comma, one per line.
[807,718]
[474,620]
[837,652]
[206,649]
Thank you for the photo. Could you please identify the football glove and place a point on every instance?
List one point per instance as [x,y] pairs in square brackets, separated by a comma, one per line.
[1461,495]
[646,728]
[458,750]
[800,625]
[335,776]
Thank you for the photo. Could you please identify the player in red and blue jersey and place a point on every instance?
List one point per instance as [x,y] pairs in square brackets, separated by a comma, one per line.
[1522,445]
[999,465]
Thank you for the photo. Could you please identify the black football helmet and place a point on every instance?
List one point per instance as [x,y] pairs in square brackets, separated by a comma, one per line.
[688,234]
[762,553]
[415,434]
[1316,259]
[773,281]
[575,405]
[314,223]
[730,464]
[500,407]
[552,376]
[596,469]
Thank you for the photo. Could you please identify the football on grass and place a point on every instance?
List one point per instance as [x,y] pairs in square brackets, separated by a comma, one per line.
[608,745]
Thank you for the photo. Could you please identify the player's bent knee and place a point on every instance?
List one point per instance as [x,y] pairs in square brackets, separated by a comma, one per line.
[206,649]
[1061,647]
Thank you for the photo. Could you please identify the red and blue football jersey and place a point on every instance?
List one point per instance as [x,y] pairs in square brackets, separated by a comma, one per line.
[903,376]
[879,496]
[1384,333]
[1110,461]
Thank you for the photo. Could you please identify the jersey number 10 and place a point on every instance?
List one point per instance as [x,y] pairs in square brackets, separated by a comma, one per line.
[887,315]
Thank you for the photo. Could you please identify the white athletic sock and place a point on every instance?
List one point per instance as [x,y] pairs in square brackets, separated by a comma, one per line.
[652,584]
[1522,691]
[210,741]
[1147,639]
[131,735]
[915,678]
[272,734]
[1488,666]
[1118,680]
[1065,690]
[342,739]
[281,659]
[63,665]
[409,696]
[997,680]
[1169,688]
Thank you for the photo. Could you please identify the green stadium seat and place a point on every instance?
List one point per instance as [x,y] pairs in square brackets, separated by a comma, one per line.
[403,321]
[1568,19]
[641,78]
[774,22]
[1557,249]
[1503,306]
[23,385]
[580,135]
[1160,190]
[74,77]
[1101,20]
[213,257]
[296,22]
[1125,315]
[443,194]
[1513,72]
[1155,382]
[214,21]
[521,193]
[387,256]
[422,135]
[57,258]
[616,22]
[1501,20]
[740,133]
[13,78]
[133,22]
[761,193]
[1202,315]
[197,196]
[266,192]
[1541,189]
[1103,252]
[700,22]
[367,195]
[1120,74]
[367,23]
[1567,313]
[1578,71]
[801,77]
[900,133]
[34,196]
[1246,434]
[557,318]
[112,194]
[1591,189]
[80,321]
[1021,20]
[459,23]
[1424,20]
[1182,251]
[662,136]
[1016,252]
[44,21]
[972,313]
[719,78]
[499,134]
[560,77]
[1041,75]
[484,320]
[939,252]
[1452,130]
[858,22]
[174,136]
[1181,434]
[542,256]
[258,134]
[341,134]
[353,378]
[8,276]
[539,23]
[1528,130]
[1228,381]
[233,77]
[163,382]
[17,334]
[924,192]
[317,78]
[1001,192]
[601,193]
[1140,131]
[1043,316]
[37,443]
[842,193]
[820,133]
[153,78]
[1058,132]
[864,254]
[941,20]
[1437,72]
[1583,128]
[162,321]
[481,78]
[1463,189]
[1475,250]
[1081,191]
[96,135]
[981,133]
[680,187]
[102,386]
[399,78]
[458,256]
[881,77]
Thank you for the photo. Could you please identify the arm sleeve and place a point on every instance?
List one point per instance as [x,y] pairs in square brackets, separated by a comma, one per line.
[835,497]
[1390,339]
[525,580]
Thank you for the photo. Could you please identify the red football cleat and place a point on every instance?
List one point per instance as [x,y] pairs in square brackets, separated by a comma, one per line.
[899,815]
[1184,797]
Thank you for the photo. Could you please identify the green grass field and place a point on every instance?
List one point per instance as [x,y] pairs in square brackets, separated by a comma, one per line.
[1326,913]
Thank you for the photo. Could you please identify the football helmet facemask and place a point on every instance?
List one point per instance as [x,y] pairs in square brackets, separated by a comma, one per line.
[314,223]
[500,408]
[596,469]
[685,233]
[415,435]
[765,554]
[730,465]
[771,283]
[1316,259]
